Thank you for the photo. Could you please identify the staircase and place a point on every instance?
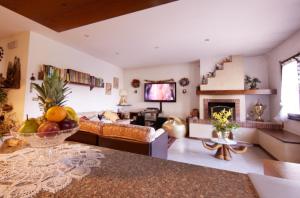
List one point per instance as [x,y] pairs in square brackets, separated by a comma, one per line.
[228,75]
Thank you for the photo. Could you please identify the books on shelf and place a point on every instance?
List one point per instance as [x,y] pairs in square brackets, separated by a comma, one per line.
[78,77]
[72,76]
[49,70]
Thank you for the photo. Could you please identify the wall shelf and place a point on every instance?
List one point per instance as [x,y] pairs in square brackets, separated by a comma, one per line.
[82,84]
[238,92]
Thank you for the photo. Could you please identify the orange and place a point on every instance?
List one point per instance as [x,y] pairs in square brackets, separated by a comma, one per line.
[56,114]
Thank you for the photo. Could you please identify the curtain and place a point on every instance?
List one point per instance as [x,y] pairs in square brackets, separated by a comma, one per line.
[289,91]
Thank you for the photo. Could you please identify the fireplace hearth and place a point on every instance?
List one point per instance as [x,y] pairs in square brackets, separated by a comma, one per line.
[217,105]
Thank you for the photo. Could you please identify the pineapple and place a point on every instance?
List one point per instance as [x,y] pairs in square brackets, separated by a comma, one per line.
[52,92]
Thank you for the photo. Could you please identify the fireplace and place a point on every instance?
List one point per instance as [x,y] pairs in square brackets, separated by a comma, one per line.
[217,105]
[220,106]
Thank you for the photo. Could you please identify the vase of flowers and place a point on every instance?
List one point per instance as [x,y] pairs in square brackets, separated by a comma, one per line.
[223,124]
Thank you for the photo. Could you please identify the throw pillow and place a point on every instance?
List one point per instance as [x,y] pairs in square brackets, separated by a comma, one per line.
[111,116]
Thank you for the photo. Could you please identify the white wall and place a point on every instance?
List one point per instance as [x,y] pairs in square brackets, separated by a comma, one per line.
[208,63]
[43,50]
[230,78]
[185,102]
[16,96]
[257,66]
[288,48]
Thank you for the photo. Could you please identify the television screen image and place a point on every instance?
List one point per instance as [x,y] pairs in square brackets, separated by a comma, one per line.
[160,92]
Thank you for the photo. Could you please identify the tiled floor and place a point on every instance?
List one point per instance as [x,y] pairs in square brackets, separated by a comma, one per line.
[192,152]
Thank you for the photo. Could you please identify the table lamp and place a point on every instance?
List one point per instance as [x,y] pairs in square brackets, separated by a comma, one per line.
[123,94]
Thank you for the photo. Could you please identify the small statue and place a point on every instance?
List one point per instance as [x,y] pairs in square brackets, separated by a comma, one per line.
[258,110]
[204,80]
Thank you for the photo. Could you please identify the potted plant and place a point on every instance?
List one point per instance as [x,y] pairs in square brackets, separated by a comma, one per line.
[251,82]
[222,124]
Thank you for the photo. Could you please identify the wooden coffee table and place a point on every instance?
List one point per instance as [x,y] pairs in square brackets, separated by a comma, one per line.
[223,147]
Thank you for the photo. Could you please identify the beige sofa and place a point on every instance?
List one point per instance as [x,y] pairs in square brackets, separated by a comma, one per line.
[126,137]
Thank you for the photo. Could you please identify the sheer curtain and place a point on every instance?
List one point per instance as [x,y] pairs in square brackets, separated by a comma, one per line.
[289,91]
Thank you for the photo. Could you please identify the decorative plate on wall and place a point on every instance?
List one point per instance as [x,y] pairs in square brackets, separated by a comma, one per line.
[184,82]
[135,83]
[1,53]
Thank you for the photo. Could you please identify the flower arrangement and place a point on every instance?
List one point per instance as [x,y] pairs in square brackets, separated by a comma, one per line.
[222,123]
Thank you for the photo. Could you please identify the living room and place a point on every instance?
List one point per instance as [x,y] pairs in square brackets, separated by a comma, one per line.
[199,91]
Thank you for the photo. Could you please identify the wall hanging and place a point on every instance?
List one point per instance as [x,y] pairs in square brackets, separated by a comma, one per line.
[116,83]
[101,83]
[184,82]
[135,83]
[13,74]
[1,53]
[160,81]
[108,87]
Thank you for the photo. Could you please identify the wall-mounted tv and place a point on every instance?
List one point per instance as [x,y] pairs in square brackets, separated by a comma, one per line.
[160,92]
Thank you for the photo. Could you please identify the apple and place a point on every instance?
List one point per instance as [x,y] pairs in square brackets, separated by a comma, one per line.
[48,129]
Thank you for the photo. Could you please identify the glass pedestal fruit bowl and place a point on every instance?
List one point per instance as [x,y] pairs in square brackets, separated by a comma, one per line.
[44,143]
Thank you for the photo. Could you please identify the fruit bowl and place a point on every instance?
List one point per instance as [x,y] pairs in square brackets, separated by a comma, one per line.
[45,139]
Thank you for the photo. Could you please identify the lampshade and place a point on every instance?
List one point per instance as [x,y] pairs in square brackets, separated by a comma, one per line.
[123,92]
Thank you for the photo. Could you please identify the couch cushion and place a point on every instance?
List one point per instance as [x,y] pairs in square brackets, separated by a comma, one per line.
[131,132]
[91,126]
[273,187]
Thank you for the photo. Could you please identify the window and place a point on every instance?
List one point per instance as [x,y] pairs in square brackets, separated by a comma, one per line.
[290,88]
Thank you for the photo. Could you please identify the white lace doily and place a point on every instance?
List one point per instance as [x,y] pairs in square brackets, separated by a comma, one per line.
[20,177]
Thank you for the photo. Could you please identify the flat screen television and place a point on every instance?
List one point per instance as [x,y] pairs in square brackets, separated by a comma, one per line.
[160,92]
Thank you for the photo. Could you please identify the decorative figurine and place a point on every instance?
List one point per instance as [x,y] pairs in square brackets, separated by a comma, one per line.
[258,110]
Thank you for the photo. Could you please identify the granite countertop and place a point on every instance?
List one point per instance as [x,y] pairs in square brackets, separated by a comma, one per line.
[124,174]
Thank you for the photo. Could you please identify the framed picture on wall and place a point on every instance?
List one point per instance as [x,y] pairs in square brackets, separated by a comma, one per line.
[116,83]
[101,85]
[108,87]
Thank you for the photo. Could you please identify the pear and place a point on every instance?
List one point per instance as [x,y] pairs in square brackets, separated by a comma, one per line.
[29,126]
